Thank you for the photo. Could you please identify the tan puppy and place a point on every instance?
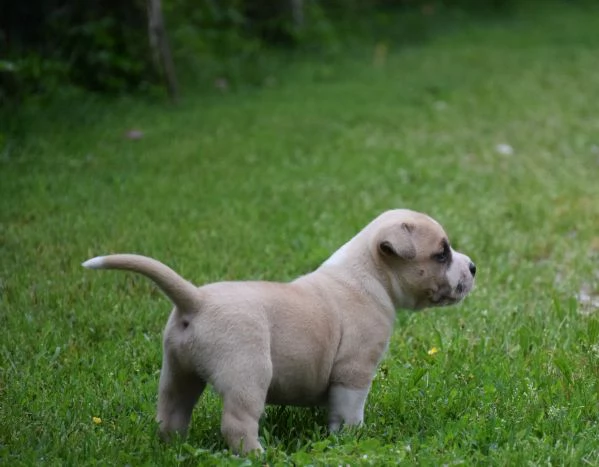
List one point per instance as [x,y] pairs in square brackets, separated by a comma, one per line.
[316,340]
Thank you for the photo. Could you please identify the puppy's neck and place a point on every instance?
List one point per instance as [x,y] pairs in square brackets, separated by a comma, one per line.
[355,261]
[339,257]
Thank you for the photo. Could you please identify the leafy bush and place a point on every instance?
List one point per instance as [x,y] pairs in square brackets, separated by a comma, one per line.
[98,45]
[102,45]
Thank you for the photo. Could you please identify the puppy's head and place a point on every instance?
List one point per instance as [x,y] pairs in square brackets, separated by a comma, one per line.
[415,253]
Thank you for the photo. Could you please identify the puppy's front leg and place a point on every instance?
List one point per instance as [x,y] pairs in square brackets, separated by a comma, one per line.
[346,406]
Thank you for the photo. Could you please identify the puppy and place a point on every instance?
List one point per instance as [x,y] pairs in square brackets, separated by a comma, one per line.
[316,340]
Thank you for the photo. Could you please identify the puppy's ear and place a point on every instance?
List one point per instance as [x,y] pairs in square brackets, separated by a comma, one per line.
[397,242]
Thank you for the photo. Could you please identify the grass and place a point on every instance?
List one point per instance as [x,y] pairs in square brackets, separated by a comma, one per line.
[265,184]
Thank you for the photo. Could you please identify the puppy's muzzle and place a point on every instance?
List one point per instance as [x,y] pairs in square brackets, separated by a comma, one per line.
[460,282]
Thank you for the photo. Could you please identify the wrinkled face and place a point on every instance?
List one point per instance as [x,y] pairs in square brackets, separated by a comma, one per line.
[423,268]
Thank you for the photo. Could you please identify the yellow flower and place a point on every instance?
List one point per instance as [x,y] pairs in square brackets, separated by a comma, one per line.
[433,350]
[97,420]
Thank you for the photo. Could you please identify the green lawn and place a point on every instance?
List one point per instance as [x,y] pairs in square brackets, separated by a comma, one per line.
[266,184]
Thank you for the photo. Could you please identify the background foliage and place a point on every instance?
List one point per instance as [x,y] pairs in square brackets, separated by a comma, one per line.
[99,45]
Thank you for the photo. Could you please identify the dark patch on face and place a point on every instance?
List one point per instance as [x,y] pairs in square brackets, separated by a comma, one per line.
[444,256]
[185,323]
[421,272]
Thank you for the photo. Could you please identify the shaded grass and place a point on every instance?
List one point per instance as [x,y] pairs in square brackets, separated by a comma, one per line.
[265,185]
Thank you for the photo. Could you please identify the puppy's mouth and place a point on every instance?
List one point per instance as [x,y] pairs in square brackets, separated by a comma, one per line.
[445,300]
[446,296]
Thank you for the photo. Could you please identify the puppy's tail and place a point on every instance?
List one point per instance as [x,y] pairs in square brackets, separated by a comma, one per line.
[182,293]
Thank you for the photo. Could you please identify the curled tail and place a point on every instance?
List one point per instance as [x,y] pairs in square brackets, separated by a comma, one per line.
[182,293]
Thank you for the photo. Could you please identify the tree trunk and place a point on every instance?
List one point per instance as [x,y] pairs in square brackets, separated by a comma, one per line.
[160,48]
[297,13]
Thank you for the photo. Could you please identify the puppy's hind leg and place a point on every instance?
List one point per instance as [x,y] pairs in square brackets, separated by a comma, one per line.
[239,425]
[177,395]
[244,397]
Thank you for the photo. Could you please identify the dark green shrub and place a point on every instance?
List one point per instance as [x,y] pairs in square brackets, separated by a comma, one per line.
[102,45]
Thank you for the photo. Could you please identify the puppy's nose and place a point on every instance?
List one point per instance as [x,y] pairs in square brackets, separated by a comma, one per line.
[472,268]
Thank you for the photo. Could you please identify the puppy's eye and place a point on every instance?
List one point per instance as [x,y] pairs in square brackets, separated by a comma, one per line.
[441,257]
[444,256]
